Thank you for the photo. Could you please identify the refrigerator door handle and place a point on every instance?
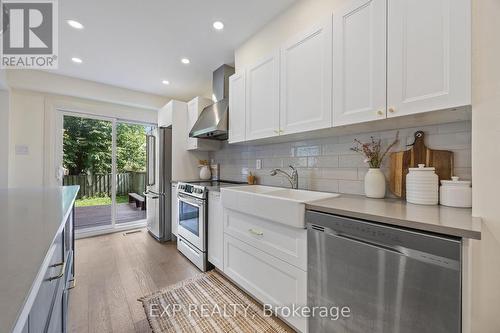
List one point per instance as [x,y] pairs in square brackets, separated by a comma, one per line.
[151,195]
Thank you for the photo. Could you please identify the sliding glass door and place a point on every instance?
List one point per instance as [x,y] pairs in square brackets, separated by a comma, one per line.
[107,159]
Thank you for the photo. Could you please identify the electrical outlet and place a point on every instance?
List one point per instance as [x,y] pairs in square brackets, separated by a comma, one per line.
[258,164]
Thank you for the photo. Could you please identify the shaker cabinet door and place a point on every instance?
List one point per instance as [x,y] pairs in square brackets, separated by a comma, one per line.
[306,80]
[237,107]
[429,55]
[262,98]
[359,70]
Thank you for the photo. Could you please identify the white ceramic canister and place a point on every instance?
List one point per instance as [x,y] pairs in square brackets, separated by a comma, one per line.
[456,193]
[422,186]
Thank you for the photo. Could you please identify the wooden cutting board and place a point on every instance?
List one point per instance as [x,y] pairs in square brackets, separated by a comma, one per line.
[442,160]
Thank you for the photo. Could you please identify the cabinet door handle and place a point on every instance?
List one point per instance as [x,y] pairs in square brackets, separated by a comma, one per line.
[380,112]
[392,109]
[256,232]
[61,273]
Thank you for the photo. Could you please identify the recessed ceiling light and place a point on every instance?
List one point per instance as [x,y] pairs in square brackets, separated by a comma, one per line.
[218,25]
[165,82]
[75,24]
[76,60]
[185,61]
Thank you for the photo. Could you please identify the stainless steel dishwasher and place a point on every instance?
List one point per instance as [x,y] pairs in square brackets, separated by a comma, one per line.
[391,279]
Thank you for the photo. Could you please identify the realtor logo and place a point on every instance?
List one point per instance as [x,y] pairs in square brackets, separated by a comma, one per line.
[29,34]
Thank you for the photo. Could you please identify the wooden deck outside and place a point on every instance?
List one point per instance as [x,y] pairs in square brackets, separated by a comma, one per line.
[96,216]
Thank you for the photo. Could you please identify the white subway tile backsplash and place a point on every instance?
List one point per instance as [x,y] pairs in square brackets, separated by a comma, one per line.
[324,185]
[340,173]
[323,162]
[352,161]
[351,187]
[328,164]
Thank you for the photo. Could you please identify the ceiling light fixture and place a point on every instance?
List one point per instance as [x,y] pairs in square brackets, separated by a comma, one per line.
[165,82]
[218,25]
[76,60]
[185,61]
[75,24]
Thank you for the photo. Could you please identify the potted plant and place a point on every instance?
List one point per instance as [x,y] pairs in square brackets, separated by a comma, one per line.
[372,151]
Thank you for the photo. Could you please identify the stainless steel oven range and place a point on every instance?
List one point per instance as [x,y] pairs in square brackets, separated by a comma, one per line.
[192,229]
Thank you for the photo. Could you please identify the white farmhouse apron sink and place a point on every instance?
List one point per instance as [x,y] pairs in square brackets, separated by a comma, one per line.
[281,205]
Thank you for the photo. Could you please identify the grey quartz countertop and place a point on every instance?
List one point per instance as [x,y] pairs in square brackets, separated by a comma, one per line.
[438,219]
[29,222]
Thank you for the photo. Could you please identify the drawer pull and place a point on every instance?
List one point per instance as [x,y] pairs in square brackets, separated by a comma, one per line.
[61,273]
[256,232]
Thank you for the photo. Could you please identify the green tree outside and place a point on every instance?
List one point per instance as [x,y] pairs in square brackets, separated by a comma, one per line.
[88,142]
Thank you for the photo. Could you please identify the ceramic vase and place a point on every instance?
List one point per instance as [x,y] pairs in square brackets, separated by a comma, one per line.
[375,183]
[205,173]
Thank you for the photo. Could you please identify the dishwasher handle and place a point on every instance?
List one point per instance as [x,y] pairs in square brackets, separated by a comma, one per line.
[358,240]
[398,250]
[367,242]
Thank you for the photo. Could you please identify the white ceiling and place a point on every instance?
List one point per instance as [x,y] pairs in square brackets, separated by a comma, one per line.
[137,44]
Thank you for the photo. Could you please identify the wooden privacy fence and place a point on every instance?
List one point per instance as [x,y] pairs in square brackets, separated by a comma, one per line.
[100,185]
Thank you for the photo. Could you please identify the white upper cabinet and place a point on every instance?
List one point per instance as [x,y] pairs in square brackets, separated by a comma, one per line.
[429,50]
[359,70]
[262,98]
[237,106]
[305,85]
[195,107]
[165,116]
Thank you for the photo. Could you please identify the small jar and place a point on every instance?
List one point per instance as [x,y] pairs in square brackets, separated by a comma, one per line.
[456,193]
[422,186]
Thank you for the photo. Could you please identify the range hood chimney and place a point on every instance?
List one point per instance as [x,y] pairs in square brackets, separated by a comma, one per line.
[213,120]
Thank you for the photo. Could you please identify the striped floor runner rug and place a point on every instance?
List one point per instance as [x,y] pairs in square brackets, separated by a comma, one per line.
[207,303]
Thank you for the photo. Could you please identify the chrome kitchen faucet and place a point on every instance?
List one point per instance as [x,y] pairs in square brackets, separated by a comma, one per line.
[293,178]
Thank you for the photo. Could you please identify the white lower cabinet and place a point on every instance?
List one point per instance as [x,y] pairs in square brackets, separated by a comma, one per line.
[286,243]
[269,279]
[215,231]
[268,260]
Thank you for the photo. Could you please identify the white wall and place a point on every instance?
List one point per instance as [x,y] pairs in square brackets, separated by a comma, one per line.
[35,124]
[4,137]
[63,85]
[485,162]
[296,19]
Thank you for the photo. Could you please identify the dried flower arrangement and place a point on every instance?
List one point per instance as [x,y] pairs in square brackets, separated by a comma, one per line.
[372,151]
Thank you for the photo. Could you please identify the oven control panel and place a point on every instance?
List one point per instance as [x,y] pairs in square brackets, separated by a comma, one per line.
[192,190]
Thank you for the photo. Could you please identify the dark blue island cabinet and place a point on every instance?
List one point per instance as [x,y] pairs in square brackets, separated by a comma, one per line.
[50,308]
[43,307]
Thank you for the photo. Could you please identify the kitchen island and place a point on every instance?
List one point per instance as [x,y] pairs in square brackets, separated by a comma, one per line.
[36,242]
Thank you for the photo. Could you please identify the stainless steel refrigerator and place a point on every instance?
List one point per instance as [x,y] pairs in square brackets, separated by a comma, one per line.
[158,178]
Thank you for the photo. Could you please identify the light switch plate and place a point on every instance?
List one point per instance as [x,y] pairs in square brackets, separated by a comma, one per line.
[258,164]
[22,150]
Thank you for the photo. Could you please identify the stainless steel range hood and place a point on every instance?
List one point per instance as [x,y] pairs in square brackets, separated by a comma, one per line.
[213,120]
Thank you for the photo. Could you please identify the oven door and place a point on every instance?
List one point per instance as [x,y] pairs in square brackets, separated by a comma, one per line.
[192,220]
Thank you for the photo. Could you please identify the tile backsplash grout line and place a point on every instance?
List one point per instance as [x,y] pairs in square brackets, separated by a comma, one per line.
[327,164]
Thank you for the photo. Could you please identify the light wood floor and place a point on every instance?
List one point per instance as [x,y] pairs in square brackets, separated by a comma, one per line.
[112,272]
